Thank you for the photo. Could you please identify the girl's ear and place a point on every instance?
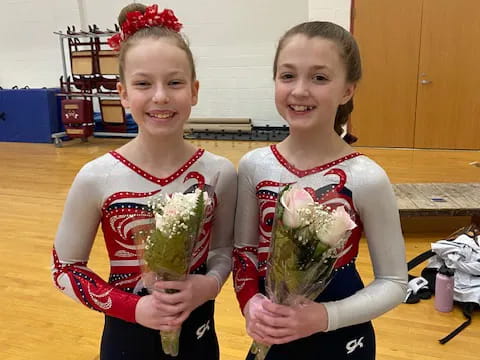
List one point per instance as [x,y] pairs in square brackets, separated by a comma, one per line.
[122,91]
[195,87]
[349,91]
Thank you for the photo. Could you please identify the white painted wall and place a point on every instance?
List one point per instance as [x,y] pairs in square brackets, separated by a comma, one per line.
[337,11]
[233,43]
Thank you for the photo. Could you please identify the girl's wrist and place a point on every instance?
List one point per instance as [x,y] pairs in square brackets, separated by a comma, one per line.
[214,285]
[322,317]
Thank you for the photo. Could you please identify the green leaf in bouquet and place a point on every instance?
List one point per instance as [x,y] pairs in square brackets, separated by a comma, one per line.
[279,209]
[198,213]
[283,256]
[320,249]
[167,253]
[284,276]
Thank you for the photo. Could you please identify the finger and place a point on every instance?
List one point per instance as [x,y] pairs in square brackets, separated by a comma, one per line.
[255,335]
[163,309]
[273,321]
[162,323]
[178,320]
[172,299]
[167,320]
[274,332]
[251,327]
[169,285]
[276,309]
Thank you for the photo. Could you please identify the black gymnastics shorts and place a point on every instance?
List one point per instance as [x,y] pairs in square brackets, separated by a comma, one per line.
[356,342]
[122,340]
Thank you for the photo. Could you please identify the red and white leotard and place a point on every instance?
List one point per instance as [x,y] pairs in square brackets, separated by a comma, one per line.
[113,192]
[354,181]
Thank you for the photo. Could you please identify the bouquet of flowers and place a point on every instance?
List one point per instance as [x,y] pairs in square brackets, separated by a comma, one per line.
[307,239]
[165,251]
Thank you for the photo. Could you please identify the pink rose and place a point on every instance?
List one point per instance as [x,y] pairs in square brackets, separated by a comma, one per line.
[292,200]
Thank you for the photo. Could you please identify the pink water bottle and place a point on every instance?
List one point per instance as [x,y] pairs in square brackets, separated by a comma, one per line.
[444,289]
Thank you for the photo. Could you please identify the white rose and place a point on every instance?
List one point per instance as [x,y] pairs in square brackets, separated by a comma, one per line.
[335,232]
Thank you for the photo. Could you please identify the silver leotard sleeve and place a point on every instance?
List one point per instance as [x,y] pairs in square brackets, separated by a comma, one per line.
[219,261]
[376,204]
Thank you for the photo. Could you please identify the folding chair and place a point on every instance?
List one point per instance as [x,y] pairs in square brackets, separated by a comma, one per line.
[113,115]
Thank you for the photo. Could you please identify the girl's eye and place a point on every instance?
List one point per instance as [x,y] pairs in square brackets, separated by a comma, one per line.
[141,83]
[286,76]
[319,77]
[176,83]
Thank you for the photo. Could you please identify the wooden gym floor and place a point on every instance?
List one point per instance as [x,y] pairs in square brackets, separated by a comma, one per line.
[38,322]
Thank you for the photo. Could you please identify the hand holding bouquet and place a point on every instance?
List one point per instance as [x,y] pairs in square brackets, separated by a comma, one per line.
[307,239]
[166,251]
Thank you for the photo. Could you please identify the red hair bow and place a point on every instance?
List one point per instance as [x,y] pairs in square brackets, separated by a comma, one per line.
[136,20]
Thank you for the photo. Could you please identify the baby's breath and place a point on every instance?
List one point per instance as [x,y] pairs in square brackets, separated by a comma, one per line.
[317,218]
[174,212]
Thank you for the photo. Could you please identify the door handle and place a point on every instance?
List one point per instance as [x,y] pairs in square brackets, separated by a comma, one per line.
[2,116]
[425,82]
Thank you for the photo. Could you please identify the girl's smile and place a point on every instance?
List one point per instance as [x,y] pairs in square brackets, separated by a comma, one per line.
[301,109]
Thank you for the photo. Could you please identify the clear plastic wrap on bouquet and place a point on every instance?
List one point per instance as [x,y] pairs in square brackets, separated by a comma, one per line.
[165,246]
[307,240]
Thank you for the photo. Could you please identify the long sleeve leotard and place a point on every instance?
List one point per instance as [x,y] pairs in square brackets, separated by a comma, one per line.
[112,192]
[363,188]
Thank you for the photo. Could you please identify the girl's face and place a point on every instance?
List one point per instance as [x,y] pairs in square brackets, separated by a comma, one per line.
[310,83]
[158,87]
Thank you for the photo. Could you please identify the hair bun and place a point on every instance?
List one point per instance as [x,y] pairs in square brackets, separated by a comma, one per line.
[129,8]
[349,138]
[135,17]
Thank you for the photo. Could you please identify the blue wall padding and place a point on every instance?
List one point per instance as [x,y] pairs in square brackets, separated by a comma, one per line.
[29,115]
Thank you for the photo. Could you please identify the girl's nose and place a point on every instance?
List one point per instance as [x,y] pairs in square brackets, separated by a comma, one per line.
[160,96]
[300,89]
